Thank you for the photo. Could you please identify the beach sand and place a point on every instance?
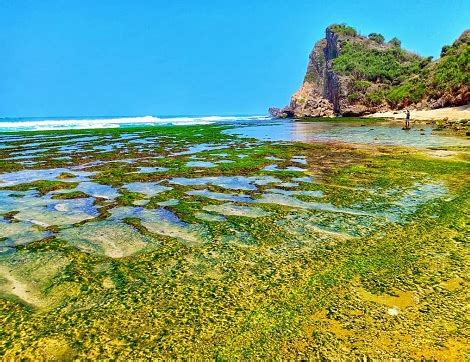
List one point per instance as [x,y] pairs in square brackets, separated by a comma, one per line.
[451,113]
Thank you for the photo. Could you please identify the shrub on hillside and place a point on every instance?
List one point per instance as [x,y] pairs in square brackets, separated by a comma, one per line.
[453,69]
[410,91]
[377,37]
[375,98]
[425,62]
[395,42]
[360,85]
[390,65]
[354,97]
[445,49]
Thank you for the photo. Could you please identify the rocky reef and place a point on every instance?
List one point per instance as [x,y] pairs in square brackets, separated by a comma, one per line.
[350,74]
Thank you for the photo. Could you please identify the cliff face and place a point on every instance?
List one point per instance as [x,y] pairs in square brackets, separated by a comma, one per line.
[332,84]
[350,74]
[319,94]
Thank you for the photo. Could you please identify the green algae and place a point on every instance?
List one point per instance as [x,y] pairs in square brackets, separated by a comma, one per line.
[301,283]
[44,187]
[106,238]
[229,209]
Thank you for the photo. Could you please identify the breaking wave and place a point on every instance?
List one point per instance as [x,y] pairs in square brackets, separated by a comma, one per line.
[92,123]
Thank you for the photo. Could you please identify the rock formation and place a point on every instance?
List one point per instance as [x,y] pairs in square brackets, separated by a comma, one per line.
[351,75]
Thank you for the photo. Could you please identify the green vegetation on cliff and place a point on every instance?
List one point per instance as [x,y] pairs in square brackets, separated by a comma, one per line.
[343,29]
[380,72]
[351,74]
[453,69]
[364,62]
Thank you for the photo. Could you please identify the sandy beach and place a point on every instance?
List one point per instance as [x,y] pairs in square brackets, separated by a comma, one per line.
[451,113]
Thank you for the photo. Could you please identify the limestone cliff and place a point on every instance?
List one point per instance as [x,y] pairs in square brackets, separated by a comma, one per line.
[351,74]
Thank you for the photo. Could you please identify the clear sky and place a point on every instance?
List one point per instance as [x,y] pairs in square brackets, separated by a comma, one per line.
[193,57]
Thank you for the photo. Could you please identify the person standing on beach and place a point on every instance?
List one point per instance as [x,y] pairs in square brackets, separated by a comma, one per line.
[407,121]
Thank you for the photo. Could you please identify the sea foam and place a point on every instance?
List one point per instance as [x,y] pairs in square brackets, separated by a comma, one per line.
[8,125]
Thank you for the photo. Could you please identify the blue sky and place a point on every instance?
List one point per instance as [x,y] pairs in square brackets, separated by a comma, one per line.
[194,57]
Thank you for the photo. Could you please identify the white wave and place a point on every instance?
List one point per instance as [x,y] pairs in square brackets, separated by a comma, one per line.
[93,123]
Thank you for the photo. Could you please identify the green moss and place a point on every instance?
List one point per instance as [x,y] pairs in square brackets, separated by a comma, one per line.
[70,195]
[45,186]
[127,198]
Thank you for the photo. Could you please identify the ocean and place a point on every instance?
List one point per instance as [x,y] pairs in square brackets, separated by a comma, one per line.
[65,123]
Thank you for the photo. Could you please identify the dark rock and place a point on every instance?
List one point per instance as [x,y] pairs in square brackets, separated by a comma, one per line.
[277,113]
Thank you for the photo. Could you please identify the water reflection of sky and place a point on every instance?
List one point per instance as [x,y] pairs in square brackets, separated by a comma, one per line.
[350,132]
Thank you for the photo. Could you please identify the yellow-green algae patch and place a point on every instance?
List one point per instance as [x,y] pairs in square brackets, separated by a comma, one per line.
[229,209]
[28,277]
[187,276]
[115,240]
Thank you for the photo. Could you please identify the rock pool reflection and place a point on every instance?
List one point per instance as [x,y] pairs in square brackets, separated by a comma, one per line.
[367,132]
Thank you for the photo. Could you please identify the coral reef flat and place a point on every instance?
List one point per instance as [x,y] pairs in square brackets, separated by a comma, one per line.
[317,239]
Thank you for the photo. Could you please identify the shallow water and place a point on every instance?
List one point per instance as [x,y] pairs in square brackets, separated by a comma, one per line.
[290,201]
[367,132]
[147,169]
[97,190]
[32,209]
[229,209]
[146,188]
[299,159]
[19,233]
[109,147]
[220,196]
[228,182]
[161,222]
[289,168]
[200,148]
[171,202]
[295,192]
[201,164]
[306,179]
[58,212]
[152,245]
[410,200]
[28,176]
[115,240]
[210,217]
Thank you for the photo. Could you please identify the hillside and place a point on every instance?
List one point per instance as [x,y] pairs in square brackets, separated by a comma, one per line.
[352,74]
